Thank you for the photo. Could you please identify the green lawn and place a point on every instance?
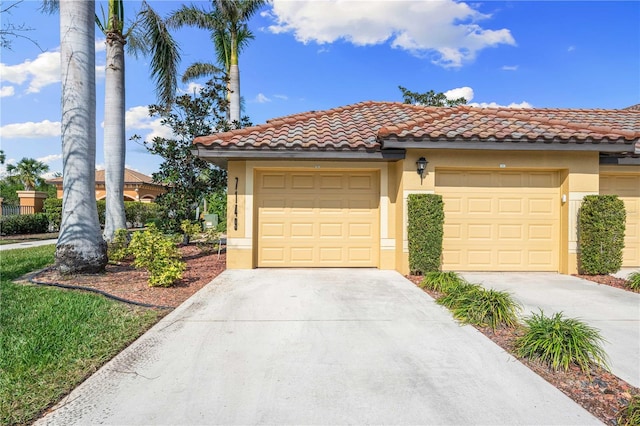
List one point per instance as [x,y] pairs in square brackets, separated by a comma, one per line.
[52,339]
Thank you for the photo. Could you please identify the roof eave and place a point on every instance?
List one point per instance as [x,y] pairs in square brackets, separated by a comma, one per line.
[509,145]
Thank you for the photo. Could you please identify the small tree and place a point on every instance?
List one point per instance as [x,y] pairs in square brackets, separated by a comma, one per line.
[429,98]
[188,178]
[27,172]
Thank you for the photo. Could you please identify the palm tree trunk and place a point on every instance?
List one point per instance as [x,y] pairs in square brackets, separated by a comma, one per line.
[114,135]
[80,246]
[234,80]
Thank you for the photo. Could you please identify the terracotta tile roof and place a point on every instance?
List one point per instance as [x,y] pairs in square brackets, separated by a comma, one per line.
[366,126]
[131,177]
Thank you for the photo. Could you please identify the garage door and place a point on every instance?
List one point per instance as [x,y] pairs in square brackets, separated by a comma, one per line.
[318,219]
[627,187]
[500,221]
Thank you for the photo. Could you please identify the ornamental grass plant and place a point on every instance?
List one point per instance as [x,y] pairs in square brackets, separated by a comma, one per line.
[630,415]
[559,342]
[441,282]
[634,282]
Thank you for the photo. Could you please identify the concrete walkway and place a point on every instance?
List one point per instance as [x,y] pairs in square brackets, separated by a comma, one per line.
[329,346]
[615,312]
[27,244]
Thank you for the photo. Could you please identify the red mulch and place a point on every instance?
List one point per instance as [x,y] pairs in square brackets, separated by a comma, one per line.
[124,281]
[601,393]
[608,280]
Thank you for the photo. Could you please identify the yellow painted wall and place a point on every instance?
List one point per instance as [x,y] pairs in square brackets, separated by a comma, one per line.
[240,241]
[578,172]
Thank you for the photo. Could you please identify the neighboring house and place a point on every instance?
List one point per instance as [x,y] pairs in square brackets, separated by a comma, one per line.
[137,187]
[329,188]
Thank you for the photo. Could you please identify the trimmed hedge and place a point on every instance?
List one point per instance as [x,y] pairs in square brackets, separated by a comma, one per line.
[24,224]
[425,228]
[601,222]
[136,213]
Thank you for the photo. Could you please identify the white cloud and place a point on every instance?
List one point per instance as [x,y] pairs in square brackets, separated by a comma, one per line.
[192,88]
[261,99]
[510,67]
[41,71]
[282,97]
[50,158]
[137,118]
[523,104]
[446,29]
[7,91]
[31,130]
[571,48]
[460,92]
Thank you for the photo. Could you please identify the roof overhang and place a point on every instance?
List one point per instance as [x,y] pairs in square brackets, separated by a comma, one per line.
[221,157]
[511,145]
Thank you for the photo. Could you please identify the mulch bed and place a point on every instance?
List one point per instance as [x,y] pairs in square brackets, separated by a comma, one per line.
[124,281]
[601,393]
[607,280]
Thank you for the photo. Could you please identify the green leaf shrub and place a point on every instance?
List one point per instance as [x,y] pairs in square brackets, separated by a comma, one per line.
[36,223]
[425,228]
[136,213]
[159,255]
[191,228]
[53,210]
[441,281]
[560,342]
[118,247]
[601,239]
[634,281]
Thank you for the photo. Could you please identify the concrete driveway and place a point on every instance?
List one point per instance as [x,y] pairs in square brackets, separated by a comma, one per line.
[329,346]
[615,312]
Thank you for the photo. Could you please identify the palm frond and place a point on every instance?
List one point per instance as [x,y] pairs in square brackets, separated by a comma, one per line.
[199,70]
[192,16]
[50,6]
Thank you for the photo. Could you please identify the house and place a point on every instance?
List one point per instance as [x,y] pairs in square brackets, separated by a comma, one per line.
[329,188]
[137,186]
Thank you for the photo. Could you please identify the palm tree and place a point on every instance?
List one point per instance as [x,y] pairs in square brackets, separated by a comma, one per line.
[227,23]
[80,245]
[27,171]
[148,35]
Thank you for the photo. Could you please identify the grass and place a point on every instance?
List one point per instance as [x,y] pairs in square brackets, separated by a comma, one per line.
[52,339]
[441,282]
[634,281]
[12,239]
[560,342]
[630,416]
[472,304]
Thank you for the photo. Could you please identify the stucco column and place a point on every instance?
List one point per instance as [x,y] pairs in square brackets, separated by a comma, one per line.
[31,201]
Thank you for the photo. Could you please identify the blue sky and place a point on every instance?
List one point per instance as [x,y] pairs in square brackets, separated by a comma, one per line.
[314,55]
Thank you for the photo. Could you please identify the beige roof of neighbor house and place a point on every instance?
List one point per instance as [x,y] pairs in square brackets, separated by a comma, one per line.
[375,126]
[131,177]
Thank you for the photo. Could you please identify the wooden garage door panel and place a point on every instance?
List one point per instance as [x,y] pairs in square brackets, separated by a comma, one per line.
[627,187]
[326,219]
[500,220]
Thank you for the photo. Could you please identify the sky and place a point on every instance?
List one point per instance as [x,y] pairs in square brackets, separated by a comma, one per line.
[315,55]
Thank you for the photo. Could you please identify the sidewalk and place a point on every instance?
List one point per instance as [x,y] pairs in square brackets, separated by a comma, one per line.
[28,244]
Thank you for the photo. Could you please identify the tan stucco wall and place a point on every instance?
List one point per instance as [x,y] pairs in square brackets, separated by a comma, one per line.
[578,172]
[240,241]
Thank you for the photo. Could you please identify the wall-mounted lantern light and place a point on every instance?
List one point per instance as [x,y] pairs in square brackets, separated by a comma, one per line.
[421,166]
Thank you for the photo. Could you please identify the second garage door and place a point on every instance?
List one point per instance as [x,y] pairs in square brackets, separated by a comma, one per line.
[500,221]
[317,219]
[627,188]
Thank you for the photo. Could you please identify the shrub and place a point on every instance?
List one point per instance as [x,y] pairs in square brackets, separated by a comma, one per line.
[159,255]
[634,281]
[630,415]
[118,247]
[36,223]
[53,211]
[491,308]
[191,229]
[209,240]
[425,227]
[559,342]
[441,281]
[472,304]
[602,227]
[138,214]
